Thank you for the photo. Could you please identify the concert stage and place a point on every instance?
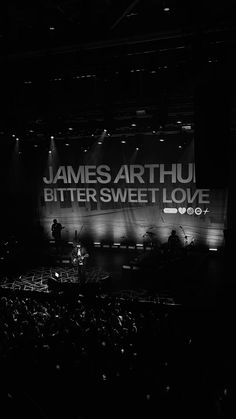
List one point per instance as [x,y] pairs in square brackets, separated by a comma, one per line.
[128,274]
[106,274]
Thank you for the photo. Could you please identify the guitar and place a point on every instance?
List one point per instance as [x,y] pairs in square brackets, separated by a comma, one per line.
[78,259]
[56,231]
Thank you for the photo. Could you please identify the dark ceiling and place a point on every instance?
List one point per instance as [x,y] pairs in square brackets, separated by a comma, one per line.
[92,64]
[47,24]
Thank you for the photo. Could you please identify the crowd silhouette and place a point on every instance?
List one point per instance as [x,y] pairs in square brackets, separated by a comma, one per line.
[91,353]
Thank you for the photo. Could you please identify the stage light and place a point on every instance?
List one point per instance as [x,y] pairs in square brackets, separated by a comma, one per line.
[123,142]
[137,148]
[85,151]
[179,122]
[17,139]
[133,125]
[166,9]
[52,137]
[99,142]
[97,244]
[70,129]
[154,132]
[180,146]
[186,127]
[50,152]
[105,130]
[213,249]
[161,140]
[115,245]
[13,135]
[141,112]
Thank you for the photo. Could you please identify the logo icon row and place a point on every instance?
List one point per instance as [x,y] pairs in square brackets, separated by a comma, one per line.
[188,210]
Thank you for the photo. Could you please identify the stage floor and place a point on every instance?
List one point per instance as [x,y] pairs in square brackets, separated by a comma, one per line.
[37,279]
[198,280]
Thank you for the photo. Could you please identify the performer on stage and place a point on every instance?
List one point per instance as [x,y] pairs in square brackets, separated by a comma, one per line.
[80,258]
[173,243]
[56,234]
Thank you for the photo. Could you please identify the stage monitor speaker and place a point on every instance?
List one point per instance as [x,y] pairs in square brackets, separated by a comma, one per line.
[212,132]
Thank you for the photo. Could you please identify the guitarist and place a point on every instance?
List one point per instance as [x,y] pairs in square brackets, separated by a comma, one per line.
[173,243]
[80,258]
[56,234]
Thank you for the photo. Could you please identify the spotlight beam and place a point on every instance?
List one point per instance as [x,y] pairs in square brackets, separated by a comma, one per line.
[129,8]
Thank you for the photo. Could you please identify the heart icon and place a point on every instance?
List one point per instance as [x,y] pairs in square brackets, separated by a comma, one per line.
[182,210]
